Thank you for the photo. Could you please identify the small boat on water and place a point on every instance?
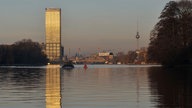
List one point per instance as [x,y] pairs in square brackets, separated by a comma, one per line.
[68,65]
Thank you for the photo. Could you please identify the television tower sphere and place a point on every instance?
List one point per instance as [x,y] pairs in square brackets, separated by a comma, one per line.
[137,36]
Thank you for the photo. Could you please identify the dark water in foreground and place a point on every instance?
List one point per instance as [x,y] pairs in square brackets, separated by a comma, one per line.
[100,86]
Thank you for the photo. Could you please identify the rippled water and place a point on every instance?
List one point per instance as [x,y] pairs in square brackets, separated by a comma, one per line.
[100,86]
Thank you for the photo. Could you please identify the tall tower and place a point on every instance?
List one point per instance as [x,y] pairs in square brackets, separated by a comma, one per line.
[53,33]
[137,50]
[137,37]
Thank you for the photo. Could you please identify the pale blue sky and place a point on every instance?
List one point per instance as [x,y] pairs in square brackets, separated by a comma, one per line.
[86,24]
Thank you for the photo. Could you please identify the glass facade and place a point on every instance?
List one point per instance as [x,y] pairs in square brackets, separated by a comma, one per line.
[53,33]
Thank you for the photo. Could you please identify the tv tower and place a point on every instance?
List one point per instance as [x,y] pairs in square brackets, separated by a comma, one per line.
[137,36]
[137,50]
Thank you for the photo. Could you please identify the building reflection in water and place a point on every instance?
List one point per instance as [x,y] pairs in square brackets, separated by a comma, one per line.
[53,87]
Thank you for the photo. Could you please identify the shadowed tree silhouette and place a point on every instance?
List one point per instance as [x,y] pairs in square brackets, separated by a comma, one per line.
[172,35]
[24,52]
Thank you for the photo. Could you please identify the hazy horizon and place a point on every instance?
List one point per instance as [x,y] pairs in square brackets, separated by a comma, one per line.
[86,24]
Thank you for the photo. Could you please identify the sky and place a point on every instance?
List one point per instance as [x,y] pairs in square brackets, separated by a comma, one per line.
[86,24]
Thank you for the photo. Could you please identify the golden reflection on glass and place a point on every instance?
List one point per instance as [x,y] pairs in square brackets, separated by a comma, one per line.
[53,33]
[53,87]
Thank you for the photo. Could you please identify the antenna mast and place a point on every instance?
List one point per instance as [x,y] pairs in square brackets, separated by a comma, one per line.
[137,36]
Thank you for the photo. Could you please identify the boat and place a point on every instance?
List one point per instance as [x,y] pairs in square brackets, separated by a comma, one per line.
[68,65]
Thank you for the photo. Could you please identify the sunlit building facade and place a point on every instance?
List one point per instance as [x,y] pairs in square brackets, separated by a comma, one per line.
[53,33]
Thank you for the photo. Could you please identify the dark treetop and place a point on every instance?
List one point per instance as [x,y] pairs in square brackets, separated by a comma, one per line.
[171,38]
[24,52]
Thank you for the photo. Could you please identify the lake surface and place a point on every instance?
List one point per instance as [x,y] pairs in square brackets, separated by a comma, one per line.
[99,86]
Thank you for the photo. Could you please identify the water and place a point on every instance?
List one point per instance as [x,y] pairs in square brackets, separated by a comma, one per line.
[100,86]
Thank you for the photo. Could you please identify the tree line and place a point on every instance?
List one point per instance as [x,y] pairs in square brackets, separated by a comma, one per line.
[24,52]
[171,38]
[132,57]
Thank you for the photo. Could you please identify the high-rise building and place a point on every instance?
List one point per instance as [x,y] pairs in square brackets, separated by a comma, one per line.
[53,33]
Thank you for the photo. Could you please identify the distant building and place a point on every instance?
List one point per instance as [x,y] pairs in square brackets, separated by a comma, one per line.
[53,33]
[108,56]
[104,54]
